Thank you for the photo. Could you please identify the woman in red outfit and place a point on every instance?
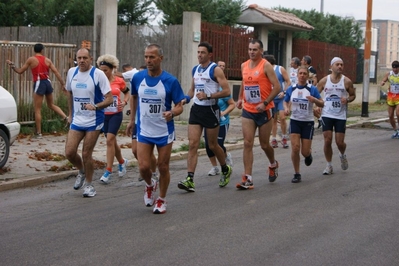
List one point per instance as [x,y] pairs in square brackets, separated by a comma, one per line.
[113,115]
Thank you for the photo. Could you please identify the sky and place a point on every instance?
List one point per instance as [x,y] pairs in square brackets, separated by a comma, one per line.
[381,9]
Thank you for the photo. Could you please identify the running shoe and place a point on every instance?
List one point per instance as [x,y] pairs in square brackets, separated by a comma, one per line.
[320,123]
[106,178]
[160,206]
[225,178]
[89,191]
[297,178]
[284,142]
[245,183]
[122,168]
[38,136]
[274,143]
[149,193]
[344,162]
[187,184]
[229,159]
[80,180]
[214,171]
[273,173]
[308,160]
[395,135]
[328,170]
[155,176]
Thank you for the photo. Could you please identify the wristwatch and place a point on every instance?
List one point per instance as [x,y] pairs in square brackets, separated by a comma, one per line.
[96,106]
[208,96]
[265,103]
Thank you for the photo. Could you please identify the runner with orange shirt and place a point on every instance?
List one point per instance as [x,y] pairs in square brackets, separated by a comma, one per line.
[258,89]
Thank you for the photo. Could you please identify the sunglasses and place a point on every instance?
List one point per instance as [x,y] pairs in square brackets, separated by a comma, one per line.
[395,66]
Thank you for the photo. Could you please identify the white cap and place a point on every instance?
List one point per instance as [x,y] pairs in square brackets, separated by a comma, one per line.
[335,59]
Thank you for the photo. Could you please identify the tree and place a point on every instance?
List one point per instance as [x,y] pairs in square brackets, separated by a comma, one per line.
[68,13]
[13,13]
[225,12]
[328,28]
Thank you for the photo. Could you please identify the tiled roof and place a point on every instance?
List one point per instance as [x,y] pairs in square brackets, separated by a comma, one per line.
[281,17]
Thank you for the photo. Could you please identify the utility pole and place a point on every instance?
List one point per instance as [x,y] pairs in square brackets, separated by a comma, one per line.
[366,69]
[322,6]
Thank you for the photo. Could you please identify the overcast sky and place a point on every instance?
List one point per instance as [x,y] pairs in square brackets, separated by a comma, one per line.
[381,9]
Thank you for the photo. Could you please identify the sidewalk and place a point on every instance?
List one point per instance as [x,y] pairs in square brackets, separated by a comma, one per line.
[27,165]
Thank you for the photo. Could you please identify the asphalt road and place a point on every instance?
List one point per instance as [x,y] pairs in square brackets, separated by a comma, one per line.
[348,218]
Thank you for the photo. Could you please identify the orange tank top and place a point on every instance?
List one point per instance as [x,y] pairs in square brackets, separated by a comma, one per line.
[40,72]
[256,86]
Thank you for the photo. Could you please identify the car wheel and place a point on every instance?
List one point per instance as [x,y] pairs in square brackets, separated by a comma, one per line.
[4,148]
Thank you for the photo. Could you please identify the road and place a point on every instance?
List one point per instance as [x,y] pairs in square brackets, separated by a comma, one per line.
[348,218]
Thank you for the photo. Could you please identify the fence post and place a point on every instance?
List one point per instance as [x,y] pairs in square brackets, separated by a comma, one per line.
[190,41]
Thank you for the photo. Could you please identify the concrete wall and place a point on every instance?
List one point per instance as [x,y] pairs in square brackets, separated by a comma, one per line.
[374,93]
[191,29]
[105,24]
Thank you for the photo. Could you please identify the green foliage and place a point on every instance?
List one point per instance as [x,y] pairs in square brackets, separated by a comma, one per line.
[134,12]
[68,13]
[51,122]
[328,28]
[225,12]
[185,147]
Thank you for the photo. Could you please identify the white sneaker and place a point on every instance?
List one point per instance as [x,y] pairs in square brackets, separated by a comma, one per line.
[89,191]
[328,170]
[149,193]
[80,180]
[122,168]
[155,176]
[229,159]
[344,162]
[214,171]
[160,206]
[106,178]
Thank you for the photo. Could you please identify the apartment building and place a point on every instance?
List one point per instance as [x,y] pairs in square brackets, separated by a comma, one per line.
[387,41]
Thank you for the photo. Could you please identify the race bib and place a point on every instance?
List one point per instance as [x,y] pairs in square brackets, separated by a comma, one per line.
[300,106]
[394,88]
[113,108]
[252,94]
[151,108]
[333,104]
[199,88]
[80,106]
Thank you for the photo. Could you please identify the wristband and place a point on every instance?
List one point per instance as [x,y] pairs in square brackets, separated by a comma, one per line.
[187,98]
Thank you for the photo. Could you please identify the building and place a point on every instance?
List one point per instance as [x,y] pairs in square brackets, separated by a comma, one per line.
[387,41]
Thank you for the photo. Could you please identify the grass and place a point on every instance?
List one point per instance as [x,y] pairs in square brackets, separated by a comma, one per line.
[51,122]
[355,109]
[185,147]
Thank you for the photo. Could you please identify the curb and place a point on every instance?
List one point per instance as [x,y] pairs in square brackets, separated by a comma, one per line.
[37,180]
[34,180]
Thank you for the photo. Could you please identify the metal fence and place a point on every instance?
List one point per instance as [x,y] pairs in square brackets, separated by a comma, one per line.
[322,53]
[230,45]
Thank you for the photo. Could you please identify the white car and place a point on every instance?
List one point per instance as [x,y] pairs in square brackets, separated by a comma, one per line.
[9,127]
